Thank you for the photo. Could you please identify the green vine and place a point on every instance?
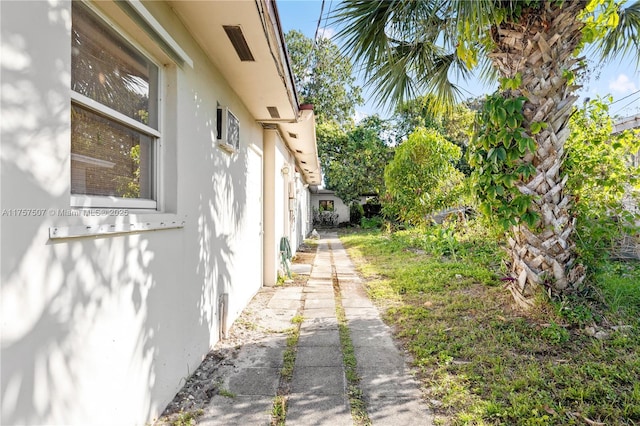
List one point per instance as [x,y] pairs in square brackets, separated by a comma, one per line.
[498,156]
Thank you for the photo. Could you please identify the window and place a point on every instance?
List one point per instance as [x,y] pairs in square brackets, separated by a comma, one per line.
[326,205]
[114,117]
[227,129]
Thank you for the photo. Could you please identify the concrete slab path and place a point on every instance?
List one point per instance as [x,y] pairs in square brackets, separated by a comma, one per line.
[318,390]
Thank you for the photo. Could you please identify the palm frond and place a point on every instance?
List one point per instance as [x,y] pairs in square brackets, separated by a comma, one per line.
[408,47]
[623,40]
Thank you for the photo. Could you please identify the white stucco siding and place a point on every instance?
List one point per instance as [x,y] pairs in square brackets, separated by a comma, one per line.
[281,189]
[340,208]
[303,219]
[99,330]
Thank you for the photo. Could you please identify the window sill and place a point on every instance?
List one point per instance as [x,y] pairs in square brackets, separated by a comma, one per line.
[82,231]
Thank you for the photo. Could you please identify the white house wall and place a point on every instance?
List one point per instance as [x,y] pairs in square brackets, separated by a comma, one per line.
[99,330]
[303,219]
[340,208]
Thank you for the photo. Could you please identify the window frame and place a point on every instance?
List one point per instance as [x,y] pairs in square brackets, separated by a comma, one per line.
[108,113]
[327,202]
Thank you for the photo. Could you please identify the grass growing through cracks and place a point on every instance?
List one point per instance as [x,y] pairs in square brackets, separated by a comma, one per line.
[279,407]
[356,398]
[483,362]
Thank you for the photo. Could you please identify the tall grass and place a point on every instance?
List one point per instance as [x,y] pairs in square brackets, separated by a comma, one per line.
[480,359]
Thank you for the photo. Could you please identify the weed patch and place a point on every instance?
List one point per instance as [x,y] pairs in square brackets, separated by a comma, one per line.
[187,418]
[356,398]
[480,360]
[279,407]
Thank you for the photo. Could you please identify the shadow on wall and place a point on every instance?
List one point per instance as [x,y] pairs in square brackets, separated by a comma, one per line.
[96,328]
[221,206]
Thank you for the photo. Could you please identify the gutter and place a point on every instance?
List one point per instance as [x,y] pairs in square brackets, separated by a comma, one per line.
[273,31]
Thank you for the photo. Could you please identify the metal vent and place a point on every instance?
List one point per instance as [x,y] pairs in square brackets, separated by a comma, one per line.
[273,112]
[234,32]
[293,135]
[269,126]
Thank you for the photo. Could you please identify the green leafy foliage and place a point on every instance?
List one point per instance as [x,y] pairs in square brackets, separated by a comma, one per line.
[324,77]
[497,155]
[353,158]
[601,177]
[421,179]
[456,125]
[371,223]
[356,212]
[599,17]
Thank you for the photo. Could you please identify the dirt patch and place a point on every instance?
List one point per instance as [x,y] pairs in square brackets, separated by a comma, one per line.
[303,257]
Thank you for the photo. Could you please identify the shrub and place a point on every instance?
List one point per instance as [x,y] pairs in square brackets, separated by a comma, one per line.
[371,223]
[356,212]
[421,179]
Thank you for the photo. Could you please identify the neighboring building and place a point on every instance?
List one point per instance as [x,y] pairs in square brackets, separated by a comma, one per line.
[628,123]
[629,246]
[325,200]
[153,156]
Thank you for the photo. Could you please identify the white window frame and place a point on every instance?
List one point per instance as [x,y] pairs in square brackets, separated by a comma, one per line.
[87,200]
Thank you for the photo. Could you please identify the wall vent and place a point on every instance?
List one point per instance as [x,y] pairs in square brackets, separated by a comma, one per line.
[234,32]
[273,112]
[293,135]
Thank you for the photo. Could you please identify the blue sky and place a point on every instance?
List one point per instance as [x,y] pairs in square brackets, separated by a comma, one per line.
[620,79]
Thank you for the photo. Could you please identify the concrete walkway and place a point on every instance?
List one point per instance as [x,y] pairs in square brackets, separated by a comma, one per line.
[318,390]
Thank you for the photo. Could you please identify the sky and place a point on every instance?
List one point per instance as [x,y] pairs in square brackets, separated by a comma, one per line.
[619,78]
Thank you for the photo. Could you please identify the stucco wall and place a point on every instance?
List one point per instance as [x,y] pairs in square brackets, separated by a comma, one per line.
[340,208]
[99,330]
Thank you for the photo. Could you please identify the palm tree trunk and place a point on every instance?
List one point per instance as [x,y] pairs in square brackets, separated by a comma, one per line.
[540,47]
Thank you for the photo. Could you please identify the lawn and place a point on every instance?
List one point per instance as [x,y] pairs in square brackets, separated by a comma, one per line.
[483,361]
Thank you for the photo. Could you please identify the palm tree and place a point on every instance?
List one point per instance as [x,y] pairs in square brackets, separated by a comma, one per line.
[408,47]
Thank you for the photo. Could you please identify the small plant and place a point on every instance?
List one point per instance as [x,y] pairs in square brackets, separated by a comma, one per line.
[371,223]
[555,334]
[226,393]
[187,418]
[279,411]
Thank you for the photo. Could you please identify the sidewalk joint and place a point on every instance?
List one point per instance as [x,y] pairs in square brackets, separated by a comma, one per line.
[354,393]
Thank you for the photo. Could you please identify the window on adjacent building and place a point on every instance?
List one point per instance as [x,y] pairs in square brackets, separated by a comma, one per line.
[326,205]
[114,117]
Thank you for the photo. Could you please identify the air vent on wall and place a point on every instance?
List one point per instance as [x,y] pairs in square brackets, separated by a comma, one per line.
[273,112]
[293,135]
[234,32]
